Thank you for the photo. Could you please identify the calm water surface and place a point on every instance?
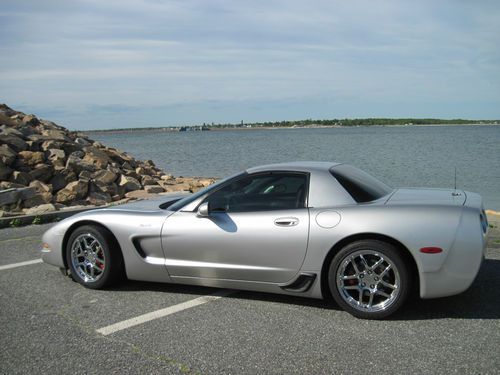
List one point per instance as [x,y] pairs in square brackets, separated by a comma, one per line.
[400,156]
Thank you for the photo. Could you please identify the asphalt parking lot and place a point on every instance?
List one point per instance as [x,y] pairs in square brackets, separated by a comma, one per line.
[49,324]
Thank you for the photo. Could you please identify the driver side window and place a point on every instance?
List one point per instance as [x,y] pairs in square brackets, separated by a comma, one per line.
[261,192]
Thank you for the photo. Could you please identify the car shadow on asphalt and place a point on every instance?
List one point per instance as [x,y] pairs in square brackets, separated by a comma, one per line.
[480,301]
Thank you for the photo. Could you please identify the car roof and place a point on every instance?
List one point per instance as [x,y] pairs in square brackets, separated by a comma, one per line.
[302,166]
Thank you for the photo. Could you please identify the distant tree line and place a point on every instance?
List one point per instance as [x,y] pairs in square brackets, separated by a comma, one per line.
[311,123]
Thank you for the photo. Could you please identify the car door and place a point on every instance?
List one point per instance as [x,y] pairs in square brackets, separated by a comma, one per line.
[256,230]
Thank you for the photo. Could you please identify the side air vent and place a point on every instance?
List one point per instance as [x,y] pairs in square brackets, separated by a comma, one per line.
[138,247]
[301,284]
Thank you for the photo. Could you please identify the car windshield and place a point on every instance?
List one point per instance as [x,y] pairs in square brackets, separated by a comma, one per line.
[359,184]
[191,198]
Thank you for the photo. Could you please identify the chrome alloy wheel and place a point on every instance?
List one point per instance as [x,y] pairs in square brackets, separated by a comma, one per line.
[368,281]
[87,257]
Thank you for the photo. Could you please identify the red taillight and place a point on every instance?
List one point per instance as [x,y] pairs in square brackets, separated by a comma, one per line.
[431,250]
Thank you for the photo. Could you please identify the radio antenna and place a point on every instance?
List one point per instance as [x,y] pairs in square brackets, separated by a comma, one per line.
[455,178]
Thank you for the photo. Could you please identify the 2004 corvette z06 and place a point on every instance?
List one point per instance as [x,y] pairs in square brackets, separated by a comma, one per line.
[314,229]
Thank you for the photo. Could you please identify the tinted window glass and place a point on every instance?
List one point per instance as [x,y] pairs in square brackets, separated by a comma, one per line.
[359,184]
[185,201]
[261,192]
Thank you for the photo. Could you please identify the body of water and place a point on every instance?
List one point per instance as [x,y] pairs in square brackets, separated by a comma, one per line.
[418,156]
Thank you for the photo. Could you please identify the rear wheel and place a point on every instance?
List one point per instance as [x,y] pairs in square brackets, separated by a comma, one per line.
[369,279]
[93,257]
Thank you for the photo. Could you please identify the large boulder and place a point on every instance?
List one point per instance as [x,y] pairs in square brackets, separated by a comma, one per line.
[31,158]
[42,172]
[6,130]
[58,135]
[129,183]
[148,180]
[37,199]
[41,209]
[5,171]
[98,198]
[153,189]
[30,120]
[41,187]
[73,191]
[57,158]
[96,157]
[105,176]
[51,144]
[62,178]
[14,142]
[77,165]
[8,197]
[7,155]
[21,178]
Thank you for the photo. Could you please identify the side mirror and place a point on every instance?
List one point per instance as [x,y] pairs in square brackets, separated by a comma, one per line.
[203,210]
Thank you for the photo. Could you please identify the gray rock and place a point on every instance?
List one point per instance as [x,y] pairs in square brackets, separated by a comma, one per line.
[104,176]
[58,135]
[99,186]
[129,183]
[98,198]
[7,130]
[55,154]
[82,141]
[21,178]
[30,120]
[57,158]
[61,179]
[148,180]
[37,200]
[7,155]
[5,171]
[41,187]
[96,157]
[32,158]
[85,176]
[51,144]
[9,196]
[69,148]
[79,154]
[79,165]
[33,145]
[73,191]
[153,189]
[42,172]
[41,209]
[14,142]
[27,193]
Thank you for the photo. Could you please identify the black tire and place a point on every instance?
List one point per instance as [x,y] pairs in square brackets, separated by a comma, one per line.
[102,259]
[360,286]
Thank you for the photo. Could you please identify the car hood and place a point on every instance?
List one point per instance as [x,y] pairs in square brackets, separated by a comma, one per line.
[428,196]
[152,204]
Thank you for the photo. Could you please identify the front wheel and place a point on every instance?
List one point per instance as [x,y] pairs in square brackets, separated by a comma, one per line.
[93,257]
[369,279]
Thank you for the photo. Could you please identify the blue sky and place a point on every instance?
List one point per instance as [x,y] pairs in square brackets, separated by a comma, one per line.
[93,64]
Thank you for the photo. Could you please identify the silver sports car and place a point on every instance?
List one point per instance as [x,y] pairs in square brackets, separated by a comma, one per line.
[313,229]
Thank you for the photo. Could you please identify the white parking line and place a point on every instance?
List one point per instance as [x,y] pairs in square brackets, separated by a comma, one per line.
[20,264]
[161,313]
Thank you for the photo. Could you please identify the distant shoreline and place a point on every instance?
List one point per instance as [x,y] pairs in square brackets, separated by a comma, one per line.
[167,129]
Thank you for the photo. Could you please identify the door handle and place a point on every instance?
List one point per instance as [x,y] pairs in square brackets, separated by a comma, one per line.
[286,221]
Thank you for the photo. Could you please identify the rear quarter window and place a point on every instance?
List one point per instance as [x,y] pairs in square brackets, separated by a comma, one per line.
[362,186]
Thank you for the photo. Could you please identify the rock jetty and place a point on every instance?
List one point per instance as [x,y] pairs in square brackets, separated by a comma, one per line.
[45,167]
